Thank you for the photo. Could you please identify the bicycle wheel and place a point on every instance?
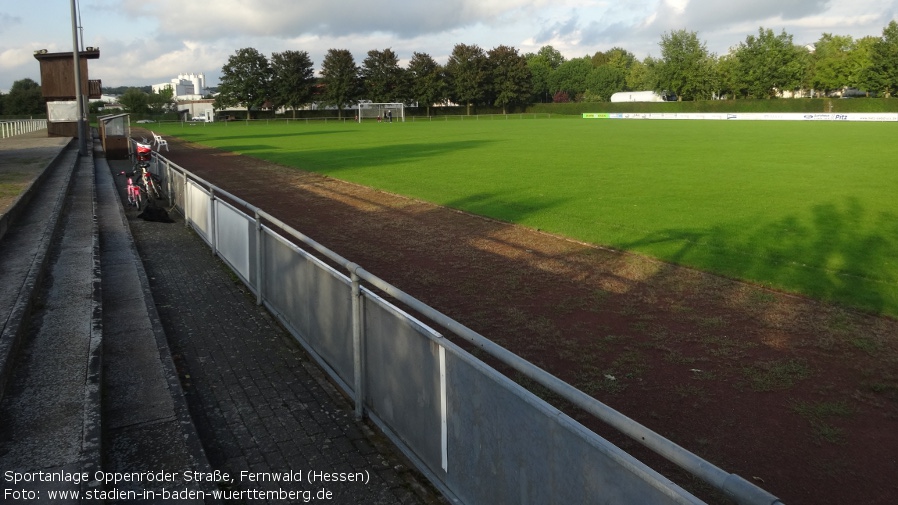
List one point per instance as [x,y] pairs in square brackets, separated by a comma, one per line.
[153,190]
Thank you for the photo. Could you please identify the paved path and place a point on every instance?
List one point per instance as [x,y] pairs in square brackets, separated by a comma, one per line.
[260,404]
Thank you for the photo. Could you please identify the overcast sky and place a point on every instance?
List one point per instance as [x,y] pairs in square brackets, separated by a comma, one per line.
[145,42]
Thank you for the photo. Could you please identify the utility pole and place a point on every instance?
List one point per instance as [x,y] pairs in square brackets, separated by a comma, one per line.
[79,99]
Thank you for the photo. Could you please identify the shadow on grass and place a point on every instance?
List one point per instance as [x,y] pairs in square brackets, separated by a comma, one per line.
[838,253]
[502,206]
[331,161]
[267,135]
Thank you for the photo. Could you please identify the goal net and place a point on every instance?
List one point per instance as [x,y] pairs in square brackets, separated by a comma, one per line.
[381,111]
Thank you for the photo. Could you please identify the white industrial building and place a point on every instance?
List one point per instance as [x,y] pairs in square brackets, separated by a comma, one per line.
[185,86]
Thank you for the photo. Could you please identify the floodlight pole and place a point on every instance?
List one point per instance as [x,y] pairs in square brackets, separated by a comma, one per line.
[82,130]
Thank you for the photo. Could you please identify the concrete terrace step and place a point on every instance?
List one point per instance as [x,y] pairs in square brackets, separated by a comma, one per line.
[91,384]
[30,226]
[260,403]
[49,415]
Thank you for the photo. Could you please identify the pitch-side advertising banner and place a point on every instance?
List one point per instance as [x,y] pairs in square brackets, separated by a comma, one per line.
[748,116]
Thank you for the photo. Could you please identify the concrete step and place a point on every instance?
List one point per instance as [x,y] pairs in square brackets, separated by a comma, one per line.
[91,385]
[49,416]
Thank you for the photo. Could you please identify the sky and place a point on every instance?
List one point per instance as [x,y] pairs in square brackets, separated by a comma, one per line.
[145,42]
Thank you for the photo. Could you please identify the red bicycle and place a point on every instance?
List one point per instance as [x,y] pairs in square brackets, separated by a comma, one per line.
[133,193]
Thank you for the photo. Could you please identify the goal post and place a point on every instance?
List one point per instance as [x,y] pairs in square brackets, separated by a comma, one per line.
[381,111]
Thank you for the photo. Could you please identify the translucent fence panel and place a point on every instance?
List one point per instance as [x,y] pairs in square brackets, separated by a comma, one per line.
[402,378]
[199,210]
[313,299]
[234,238]
[176,188]
[507,446]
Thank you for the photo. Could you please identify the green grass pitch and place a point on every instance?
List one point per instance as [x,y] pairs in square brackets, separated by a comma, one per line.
[808,207]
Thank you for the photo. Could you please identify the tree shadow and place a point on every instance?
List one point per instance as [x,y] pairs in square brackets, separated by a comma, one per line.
[331,162]
[502,206]
[837,252]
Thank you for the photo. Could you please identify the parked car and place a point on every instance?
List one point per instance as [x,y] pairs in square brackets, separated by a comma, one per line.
[142,121]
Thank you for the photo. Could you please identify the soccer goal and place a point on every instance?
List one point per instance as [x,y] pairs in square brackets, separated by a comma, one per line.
[381,111]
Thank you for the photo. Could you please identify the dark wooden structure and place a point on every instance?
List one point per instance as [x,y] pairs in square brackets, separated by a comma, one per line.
[58,87]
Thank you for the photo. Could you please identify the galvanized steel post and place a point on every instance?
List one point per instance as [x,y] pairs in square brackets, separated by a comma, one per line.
[171,198]
[212,235]
[357,348]
[260,283]
[186,202]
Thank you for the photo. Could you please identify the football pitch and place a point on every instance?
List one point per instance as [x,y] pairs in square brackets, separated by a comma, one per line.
[807,207]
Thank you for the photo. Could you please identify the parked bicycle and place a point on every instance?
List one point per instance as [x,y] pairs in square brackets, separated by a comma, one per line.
[148,181]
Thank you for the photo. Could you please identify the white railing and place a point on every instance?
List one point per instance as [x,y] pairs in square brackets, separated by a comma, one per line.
[12,127]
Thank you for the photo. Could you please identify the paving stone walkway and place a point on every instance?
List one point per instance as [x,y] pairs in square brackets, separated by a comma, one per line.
[260,404]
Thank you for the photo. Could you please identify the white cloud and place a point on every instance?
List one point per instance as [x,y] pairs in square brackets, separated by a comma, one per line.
[278,18]
[150,41]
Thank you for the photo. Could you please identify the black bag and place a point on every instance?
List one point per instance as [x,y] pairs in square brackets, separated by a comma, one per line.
[153,212]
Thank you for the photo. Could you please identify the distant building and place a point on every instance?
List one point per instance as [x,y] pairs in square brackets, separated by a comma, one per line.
[185,86]
[642,96]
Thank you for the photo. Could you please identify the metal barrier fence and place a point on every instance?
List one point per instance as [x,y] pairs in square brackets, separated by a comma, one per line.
[478,436]
[11,127]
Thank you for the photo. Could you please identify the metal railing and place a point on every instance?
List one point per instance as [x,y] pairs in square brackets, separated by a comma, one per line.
[11,127]
[477,435]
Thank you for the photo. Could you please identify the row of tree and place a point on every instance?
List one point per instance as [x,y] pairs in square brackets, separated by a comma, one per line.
[763,66]
[472,76]
[767,64]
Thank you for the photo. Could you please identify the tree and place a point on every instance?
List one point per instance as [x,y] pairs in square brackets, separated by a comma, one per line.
[727,76]
[641,76]
[467,74]
[510,81]
[428,80]
[382,78]
[24,98]
[245,80]
[340,78]
[831,65]
[572,77]
[159,102]
[860,60]
[686,66]
[882,75]
[609,74]
[135,101]
[603,82]
[620,58]
[542,64]
[292,78]
[551,56]
[769,64]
